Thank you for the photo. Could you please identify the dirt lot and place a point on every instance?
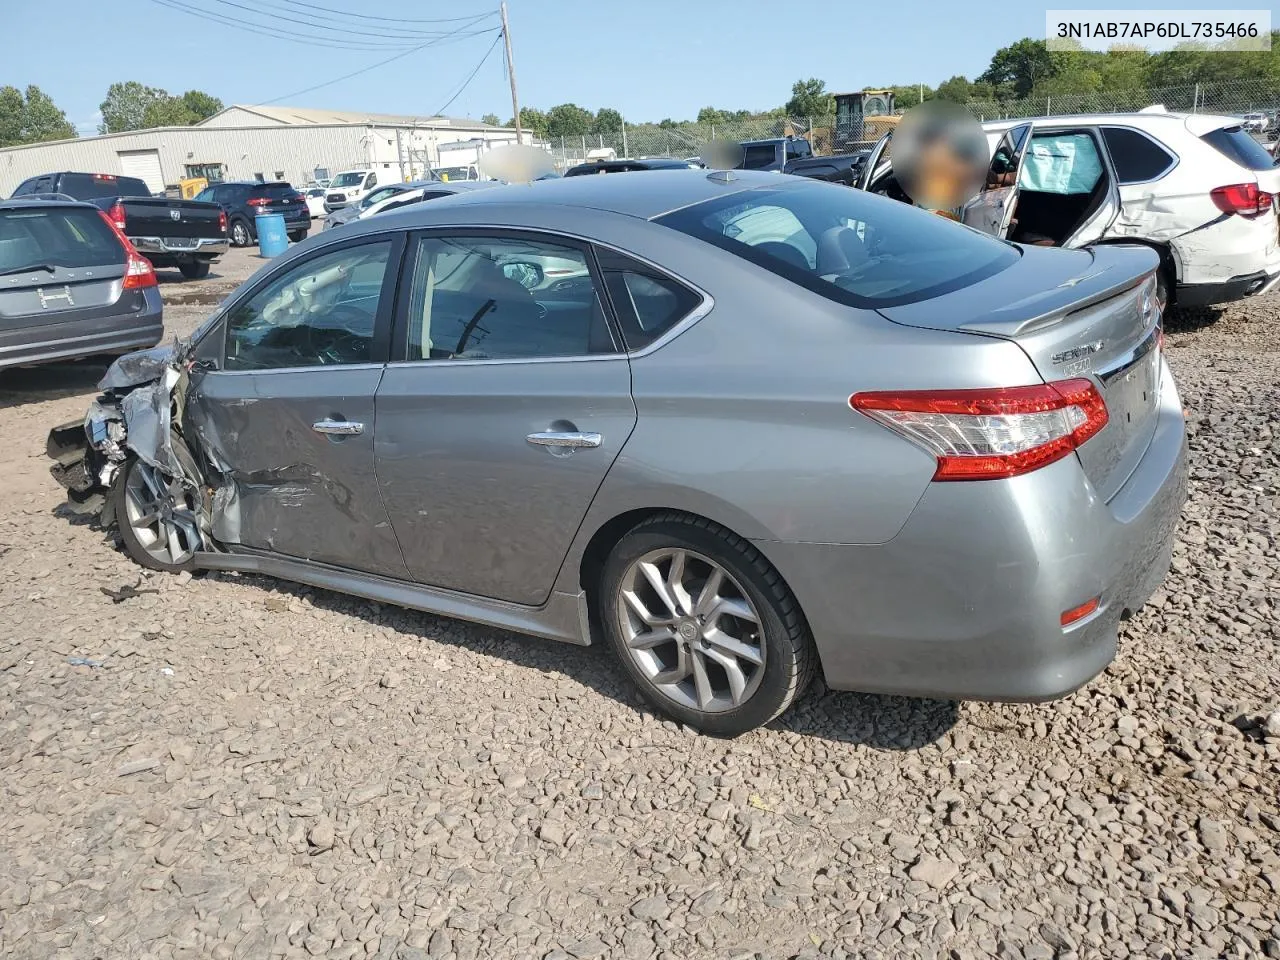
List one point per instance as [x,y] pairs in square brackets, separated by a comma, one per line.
[235,767]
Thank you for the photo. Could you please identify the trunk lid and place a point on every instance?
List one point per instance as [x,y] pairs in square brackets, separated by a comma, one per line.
[1074,313]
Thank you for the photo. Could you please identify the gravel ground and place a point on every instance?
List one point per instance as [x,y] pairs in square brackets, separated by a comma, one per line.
[227,766]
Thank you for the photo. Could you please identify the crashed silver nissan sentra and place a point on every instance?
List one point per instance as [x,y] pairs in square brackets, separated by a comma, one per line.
[740,427]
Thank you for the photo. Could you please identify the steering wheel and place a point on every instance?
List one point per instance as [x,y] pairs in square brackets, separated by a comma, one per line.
[336,345]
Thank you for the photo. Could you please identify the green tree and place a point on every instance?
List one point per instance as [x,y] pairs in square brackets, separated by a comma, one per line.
[666,123]
[167,112]
[125,106]
[809,98]
[491,119]
[531,119]
[908,96]
[202,105]
[1017,68]
[44,121]
[569,120]
[958,90]
[712,115]
[607,120]
[13,111]
[31,118]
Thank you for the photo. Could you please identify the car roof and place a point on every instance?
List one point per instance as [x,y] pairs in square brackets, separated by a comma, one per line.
[642,197]
[1197,123]
[622,166]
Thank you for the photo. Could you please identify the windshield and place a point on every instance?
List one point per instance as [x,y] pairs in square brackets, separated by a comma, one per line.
[347,179]
[454,173]
[847,245]
[377,196]
[57,236]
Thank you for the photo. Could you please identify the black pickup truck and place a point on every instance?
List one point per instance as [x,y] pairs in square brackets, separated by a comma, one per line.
[187,234]
[794,155]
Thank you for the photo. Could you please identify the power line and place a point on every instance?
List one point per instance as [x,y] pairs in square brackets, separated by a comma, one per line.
[471,76]
[341,22]
[294,36]
[348,15]
[382,34]
[372,66]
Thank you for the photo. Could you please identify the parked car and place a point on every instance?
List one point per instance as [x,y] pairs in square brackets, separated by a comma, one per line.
[243,201]
[794,155]
[187,234]
[1197,189]
[786,425]
[1255,122]
[315,202]
[71,284]
[627,166]
[464,173]
[353,210]
[431,190]
[349,187]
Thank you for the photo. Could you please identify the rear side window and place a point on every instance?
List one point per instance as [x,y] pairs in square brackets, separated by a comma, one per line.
[58,236]
[1136,157]
[1235,144]
[846,245]
[758,156]
[648,303]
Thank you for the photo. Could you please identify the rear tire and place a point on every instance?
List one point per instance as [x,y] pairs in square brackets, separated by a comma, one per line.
[157,515]
[704,625]
[195,270]
[297,236]
[239,233]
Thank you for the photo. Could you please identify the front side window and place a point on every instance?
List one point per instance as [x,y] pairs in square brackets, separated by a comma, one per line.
[492,298]
[318,313]
[846,245]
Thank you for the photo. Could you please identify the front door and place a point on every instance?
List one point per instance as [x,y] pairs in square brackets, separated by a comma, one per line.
[992,210]
[287,416]
[506,402]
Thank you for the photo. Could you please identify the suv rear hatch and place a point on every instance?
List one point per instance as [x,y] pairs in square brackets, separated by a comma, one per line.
[1075,313]
[278,198]
[59,264]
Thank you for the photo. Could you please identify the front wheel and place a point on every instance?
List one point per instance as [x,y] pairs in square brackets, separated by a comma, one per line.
[704,625]
[194,269]
[158,515]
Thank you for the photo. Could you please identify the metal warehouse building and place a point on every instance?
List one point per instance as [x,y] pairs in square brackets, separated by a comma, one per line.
[247,143]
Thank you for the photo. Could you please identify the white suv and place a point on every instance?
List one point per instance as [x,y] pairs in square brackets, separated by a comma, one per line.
[1197,188]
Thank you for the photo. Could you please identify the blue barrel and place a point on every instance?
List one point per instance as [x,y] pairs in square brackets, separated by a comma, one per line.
[272,238]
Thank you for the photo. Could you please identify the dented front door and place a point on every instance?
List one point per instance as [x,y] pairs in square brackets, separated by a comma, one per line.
[284,413]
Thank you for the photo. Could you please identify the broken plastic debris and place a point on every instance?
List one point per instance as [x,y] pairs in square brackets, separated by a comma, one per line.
[167,671]
[759,802]
[83,662]
[127,592]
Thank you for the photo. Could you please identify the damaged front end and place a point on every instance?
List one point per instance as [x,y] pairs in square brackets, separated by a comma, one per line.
[142,394]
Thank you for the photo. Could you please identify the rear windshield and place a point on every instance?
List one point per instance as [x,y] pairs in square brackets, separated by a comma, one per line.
[93,186]
[847,245]
[276,191]
[60,237]
[1238,145]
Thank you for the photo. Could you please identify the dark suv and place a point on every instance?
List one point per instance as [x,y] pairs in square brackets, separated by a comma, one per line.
[242,201]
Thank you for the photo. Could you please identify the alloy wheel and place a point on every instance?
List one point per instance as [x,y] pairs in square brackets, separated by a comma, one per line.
[162,514]
[239,234]
[691,629]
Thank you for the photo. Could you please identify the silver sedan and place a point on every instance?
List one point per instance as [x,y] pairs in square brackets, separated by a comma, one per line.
[758,427]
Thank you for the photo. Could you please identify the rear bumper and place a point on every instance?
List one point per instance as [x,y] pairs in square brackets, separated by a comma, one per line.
[178,246]
[85,338]
[1237,288]
[965,602]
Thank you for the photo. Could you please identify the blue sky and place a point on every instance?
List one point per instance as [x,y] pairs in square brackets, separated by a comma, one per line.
[650,59]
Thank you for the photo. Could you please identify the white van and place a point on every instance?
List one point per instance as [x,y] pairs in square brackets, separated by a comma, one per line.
[348,187]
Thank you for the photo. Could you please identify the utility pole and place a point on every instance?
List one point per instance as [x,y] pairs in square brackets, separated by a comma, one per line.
[511,72]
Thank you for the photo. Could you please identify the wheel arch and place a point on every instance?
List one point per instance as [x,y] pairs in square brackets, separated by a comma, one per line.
[1169,265]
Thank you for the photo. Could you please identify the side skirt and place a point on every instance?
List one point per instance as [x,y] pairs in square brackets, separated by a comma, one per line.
[563,617]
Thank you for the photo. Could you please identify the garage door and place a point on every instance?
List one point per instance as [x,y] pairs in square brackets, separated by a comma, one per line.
[145,165]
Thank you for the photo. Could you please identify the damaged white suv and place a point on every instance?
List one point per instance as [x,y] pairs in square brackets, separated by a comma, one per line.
[1197,188]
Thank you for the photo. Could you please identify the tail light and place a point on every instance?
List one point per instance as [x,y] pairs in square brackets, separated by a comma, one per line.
[222,221]
[116,215]
[258,201]
[1246,199]
[991,434]
[138,272]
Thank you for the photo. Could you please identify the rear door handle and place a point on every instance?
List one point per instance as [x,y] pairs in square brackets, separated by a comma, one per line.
[338,428]
[565,440]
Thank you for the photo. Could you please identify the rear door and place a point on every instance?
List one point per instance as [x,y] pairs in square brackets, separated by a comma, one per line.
[992,210]
[501,413]
[59,265]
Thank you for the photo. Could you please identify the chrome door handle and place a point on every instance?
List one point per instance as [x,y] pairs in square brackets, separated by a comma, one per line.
[338,428]
[572,441]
